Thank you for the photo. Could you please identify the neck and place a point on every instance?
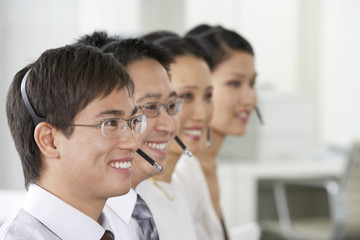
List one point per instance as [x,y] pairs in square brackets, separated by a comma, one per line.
[217,140]
[82,202]
[171,160]
[207,159]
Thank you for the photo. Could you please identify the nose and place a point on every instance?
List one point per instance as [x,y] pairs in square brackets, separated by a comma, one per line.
[248,97]
[128,141]
[167,123]
[201,111]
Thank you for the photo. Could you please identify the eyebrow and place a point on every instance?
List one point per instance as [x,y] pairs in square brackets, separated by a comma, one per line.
[173,94]
[117,113]
[150,95]
[190,87]
[240,75]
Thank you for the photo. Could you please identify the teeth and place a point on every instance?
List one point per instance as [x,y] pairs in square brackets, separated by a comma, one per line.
[193,132]
[242,115]
[157,146]
[121,165]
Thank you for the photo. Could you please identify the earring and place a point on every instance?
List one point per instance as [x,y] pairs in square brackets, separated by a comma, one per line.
[208,140]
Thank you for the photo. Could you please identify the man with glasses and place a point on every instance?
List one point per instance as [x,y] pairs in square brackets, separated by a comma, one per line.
[74,124]
[148,66]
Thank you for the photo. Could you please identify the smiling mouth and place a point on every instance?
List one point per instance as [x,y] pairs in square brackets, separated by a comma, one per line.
[196,133]
[121,165]
[157,146]
[242,115]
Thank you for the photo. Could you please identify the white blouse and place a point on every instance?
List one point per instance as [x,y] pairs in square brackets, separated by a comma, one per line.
[169,208]
[189,176]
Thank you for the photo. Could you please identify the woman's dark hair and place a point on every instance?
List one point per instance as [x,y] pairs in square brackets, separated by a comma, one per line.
[179,46]
[220,42]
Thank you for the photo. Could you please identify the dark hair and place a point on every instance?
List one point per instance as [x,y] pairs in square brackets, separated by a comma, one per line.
[97,39]
[156,35]
[61,83]
[220,41]
[180,46]
[129,50]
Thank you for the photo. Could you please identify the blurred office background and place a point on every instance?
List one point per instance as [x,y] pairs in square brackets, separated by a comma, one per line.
[307,58]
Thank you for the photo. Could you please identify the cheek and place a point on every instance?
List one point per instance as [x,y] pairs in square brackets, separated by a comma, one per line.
[85,160]
[175,148]
[140,165]
[176,122]
[209,112]
[255,97]
[95,152]
[93,146]
[183,115]
[224,101]
[150,128]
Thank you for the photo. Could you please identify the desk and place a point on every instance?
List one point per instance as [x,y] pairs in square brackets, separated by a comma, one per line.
[238,182]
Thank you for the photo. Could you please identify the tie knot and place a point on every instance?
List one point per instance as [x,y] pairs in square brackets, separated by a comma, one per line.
[108,235]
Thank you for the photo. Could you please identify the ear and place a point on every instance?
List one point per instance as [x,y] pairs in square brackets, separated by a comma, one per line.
[45,135]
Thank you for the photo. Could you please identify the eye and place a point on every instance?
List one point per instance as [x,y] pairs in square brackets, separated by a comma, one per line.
[151,106]
[138,124]
[186,97]
[171,106]
[208,96]
[234,83]
[136,120]
[111,123]
[152,109]
[252,83]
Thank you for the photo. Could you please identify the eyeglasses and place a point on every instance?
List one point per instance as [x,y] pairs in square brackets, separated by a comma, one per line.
[116,127]
[153,109]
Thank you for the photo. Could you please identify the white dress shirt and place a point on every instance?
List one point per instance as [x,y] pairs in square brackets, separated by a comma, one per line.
[46,217]
[118,211]
[172,217]
[189,176]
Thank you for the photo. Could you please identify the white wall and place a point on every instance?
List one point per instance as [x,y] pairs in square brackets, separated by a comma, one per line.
[339,98]
[28,28]
[3,66]
[270,26]
[114,16]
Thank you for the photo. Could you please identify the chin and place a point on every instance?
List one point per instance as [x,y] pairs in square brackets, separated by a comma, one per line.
[236,131]
[193,150]
[119,191]
[177,150]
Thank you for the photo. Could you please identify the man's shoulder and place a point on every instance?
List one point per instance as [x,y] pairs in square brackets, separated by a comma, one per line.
[25,226]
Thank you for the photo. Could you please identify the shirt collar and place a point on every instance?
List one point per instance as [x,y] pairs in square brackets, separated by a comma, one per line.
[64,220]
[123,205]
